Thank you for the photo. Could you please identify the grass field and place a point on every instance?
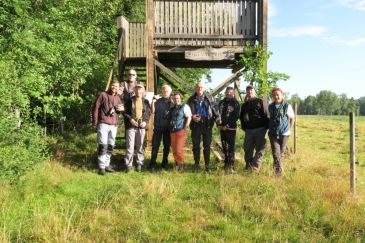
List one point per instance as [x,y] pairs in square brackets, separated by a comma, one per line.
[66,201]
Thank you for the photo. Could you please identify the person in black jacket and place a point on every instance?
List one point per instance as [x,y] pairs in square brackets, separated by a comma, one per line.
[254,121]
[204,115]
[161,127]
[137,114]
[229,110]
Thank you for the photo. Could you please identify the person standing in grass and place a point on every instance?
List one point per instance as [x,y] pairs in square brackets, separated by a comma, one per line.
[282,118]
[203,118]
[161,127]
[137,114]
[254,121]
[180,117]
[229,110]
[105,119]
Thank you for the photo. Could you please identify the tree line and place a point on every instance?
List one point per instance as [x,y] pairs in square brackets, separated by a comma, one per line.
[328,103]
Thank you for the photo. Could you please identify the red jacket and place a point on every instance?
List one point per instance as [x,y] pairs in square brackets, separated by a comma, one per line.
[101,109]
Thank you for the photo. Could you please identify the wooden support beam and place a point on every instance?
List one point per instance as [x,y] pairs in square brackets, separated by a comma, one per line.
[150,67]
[226,82]
[166,79]
[173,75]
[237,92]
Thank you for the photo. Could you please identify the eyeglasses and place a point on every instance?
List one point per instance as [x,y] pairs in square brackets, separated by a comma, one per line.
[131,74]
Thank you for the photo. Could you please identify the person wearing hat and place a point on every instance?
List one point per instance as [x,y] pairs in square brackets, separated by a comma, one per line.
[137,114]
[282,118]
[254,121]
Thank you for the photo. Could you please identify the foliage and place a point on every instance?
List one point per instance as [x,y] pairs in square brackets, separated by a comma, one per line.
[328,103]
[254,61]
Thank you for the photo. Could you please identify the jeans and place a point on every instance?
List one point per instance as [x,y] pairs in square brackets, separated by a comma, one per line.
[278,147]
[228,139]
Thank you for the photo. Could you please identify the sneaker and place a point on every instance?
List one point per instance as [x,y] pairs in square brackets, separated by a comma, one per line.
[101,172]
[109,169]
[139,168]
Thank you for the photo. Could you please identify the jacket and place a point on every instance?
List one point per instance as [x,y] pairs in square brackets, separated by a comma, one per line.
[146,112]
[213,114]
[102,109]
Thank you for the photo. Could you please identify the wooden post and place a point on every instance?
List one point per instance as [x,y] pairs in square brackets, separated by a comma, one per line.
[352,154]
[295,127]
[150,66]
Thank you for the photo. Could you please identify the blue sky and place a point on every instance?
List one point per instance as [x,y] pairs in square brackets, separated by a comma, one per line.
[319,43]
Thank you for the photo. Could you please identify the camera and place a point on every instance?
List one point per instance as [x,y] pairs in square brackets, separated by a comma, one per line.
[111,111]
[139,122]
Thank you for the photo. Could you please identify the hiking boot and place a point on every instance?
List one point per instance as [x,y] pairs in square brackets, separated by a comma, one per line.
[180,168]
[101,172]
[139,168]
[128,169]
[196,168]
[208,169]
[109,169]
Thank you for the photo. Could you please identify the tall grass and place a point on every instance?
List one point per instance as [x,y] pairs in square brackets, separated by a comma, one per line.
[66,201]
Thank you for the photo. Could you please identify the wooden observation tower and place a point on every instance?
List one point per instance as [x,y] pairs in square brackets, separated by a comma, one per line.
[190,33]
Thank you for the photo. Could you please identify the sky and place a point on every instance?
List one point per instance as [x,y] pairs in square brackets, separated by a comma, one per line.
[320,44]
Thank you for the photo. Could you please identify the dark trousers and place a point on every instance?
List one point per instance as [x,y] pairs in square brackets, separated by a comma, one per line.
[278,146]
[254,140]
[198,133]
[228,139]
[157,136]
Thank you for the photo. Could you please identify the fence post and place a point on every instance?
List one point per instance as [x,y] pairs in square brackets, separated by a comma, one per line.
[352,154]
[295,127]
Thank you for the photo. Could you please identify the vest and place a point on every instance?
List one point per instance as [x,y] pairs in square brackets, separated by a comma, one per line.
[279,121]
[177,118]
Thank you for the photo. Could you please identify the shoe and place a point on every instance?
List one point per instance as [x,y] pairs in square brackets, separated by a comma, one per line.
[196,168]
[109,169]
[165,166]
[231,170]
[153,168]
[278,171]
[208,169]
[139,168]
[180,168]
[101,172]
[128,169]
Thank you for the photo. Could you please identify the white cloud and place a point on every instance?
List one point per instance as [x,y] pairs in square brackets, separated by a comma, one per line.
[314,31]
[354,4]
[339,40]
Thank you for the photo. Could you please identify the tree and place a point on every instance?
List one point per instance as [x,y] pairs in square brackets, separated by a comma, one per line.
[327,102]
[255,60]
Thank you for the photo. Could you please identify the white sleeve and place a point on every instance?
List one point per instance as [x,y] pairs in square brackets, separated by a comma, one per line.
[187,110]
[290,111]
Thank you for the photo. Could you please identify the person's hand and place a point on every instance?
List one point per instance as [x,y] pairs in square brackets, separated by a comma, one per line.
[134,122]
[95,127]
[196,118]
[120,108]
[143,124]
[224,128]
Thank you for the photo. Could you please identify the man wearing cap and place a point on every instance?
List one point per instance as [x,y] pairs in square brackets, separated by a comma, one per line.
[204,115]
[137,115]
[105,119]
[254,121]
[229,109]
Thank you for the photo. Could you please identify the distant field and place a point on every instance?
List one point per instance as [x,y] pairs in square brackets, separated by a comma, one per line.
[66,201]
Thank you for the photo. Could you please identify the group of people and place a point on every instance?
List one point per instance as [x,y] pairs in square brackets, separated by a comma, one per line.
[172,118]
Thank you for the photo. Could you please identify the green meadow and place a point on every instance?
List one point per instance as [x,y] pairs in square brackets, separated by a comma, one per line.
[64,200]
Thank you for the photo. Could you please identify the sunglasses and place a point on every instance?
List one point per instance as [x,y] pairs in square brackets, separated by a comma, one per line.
[131,74]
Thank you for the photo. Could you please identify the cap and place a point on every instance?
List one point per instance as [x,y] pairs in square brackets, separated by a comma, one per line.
[249,87]
[139,84]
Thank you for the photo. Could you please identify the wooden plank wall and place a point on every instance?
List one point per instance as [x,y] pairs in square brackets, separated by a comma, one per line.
[137,39]
[214,22]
